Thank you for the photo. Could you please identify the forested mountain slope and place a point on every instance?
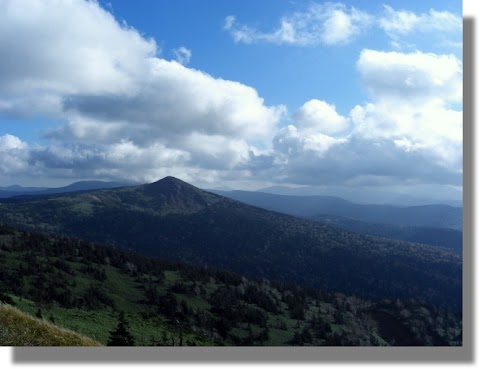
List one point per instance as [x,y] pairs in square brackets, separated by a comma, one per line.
[444,237]
[112,296]
[175,220]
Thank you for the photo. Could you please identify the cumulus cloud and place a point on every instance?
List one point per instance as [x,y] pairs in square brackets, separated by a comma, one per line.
[431,129]
[293,143]
[182,55]
[412,94]
[13,155]
[175,99]
[408,133]
[121,160]
[353,161]
[116,96]
[216,152]
[101,70]
[92,53]
[327,24]
[414,75]
[318,115]
[129,114]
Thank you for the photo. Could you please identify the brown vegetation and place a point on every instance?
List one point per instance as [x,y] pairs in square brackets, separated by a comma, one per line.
[20,329]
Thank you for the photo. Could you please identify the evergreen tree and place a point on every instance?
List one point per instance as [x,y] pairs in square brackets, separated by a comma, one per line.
[39,314]
[121,335]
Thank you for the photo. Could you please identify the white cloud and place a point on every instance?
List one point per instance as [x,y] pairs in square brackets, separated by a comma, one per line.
[152,156]
[178,100]
[341,26]
[408,133]
[318,115]
[99,70]
[327,24]
[402,22]
[412,94]
[400,136]
[216,152]
[407,76]
[406,29]
[182,55]
[116,96]
[294,143]
[336,24]
[130,114]
[68,47]
[9,142]
[13,155]
[429,128]
[353,160]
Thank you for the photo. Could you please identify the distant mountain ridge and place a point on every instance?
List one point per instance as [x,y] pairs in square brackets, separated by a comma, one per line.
[364,196]
[439,216]
[16,190]
[175,220]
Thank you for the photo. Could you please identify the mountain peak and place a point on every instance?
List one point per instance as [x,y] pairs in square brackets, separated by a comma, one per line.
[170,179]
[174,195]
[169,183]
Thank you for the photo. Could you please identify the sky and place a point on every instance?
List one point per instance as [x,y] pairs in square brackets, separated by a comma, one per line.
[241,93]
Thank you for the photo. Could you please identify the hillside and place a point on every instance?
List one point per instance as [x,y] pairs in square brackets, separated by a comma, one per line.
[20,329]
[438,216]
[92,289]
[444,237]
[175,220]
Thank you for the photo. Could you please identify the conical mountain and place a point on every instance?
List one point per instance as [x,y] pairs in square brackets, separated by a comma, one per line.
[173,219]
[172,195]
[171,186]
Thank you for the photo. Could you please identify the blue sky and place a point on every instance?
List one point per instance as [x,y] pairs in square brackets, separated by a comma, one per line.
[274,71]
[246,94]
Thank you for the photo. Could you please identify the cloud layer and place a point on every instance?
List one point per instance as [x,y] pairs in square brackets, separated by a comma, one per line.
[128,113]
[115,94]
[407,133]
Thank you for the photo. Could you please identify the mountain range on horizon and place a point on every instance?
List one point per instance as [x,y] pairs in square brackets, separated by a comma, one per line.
[437,215]
[364,196]
[333,210]
[175,220]
[358,196]
[17,190]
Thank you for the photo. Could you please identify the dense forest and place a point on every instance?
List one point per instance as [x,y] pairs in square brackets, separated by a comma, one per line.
[121,298]
[443,237]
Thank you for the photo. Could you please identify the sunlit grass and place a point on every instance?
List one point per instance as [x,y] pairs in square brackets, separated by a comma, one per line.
[20,329]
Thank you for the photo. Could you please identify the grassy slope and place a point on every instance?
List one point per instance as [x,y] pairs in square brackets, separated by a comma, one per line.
[20,329]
